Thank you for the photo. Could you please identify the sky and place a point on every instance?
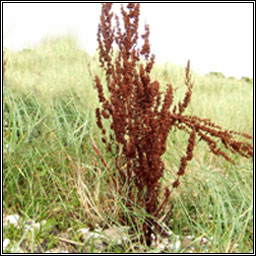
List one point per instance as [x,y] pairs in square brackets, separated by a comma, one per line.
[215,37]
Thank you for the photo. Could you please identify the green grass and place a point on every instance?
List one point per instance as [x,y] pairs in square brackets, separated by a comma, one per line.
[52,173]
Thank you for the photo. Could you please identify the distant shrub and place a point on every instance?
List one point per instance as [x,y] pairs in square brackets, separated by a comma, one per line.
[247,79]
[217,74]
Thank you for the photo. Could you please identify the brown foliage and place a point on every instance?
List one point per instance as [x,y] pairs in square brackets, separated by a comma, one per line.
[140,116]
[4,66]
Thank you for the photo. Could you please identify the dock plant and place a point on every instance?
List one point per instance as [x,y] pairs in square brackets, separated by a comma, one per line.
[141,116]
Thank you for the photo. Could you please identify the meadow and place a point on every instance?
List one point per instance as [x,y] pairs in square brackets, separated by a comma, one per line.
[52,173]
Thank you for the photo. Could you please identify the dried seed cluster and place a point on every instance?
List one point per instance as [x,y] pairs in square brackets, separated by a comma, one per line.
[140,116]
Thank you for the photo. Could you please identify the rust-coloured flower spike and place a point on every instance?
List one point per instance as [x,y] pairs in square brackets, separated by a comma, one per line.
[4,66]
[140,116]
